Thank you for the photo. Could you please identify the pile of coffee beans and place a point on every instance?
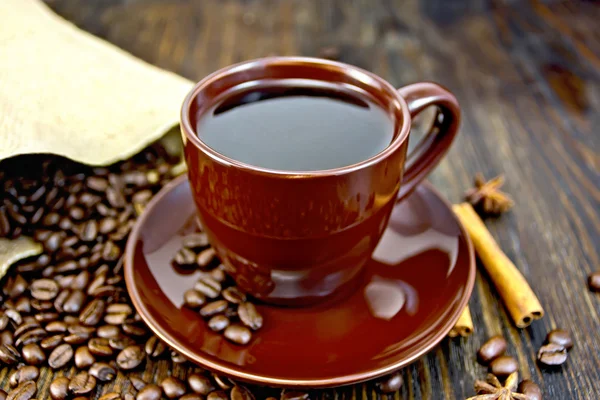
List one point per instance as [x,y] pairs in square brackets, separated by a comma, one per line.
[216,298]
[67,326]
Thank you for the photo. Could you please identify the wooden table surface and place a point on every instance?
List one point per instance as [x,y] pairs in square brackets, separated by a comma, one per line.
[527,75]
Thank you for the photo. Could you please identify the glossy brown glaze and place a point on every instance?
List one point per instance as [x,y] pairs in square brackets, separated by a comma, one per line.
[297,237]
[410,295]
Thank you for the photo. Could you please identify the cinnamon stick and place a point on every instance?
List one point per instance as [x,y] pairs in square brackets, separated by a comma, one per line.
[464,325]
[520,301]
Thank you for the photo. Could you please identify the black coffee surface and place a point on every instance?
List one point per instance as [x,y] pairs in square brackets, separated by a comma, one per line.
[293,128]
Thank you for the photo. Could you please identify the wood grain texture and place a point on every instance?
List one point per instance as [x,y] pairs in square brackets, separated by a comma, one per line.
[527,75]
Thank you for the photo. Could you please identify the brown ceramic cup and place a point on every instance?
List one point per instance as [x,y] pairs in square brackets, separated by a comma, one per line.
[300,237]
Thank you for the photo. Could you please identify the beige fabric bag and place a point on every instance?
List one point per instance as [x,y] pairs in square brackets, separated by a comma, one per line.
[67,92]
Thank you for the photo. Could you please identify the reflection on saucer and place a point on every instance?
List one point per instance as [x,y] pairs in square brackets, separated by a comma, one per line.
[386,297]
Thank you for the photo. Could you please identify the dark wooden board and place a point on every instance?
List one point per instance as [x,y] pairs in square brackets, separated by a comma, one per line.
[527,75]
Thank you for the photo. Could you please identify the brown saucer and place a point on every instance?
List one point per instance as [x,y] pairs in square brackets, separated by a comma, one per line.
[410,297]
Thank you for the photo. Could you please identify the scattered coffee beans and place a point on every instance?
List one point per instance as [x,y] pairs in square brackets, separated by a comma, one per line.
[130,357]
[594,282]
[531,389]
[149,392]
[503,366]
[391,383]
[238,334]
[560,337]
[25,391]
[173,387]
[552,354]
[492,349]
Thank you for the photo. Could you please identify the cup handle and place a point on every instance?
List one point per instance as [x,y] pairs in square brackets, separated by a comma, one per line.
[432,148]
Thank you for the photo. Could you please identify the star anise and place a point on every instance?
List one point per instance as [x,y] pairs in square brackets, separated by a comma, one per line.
[494,390]
[487,197]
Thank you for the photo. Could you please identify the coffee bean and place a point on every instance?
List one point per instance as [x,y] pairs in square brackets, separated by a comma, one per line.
[111,252]
[88,231]
[107,225]
[155,347]
[17,286]
[67,266]
[238,334]
[594,281]
[70,320]
[185,257]
[25,327]
[200,384]
[110,396]
[217,395]
[205,257]
[56,327]
[390,383]
[137,383]
[78,334]
[223,382]
[552,354]
[249,316]
[33,354]
[234,295]
[77,213]
[64,282]
[130,357]
[115,197]
[6,337]
[193,298]
[177,358]
[96,183]
[560,337]
[503,366]
[24,391]
[9,355]
[23,305]
[82,383]
[92,314]
[3,321]
[74,302]
[89,200]
[492,349]
[108,332]
[120,343]
[54,241]
[218,323]
[195,240]
[103,371]
[241,393]
[59,388]
[46,317]
[59,301]
[531,389]
[134,328]
[44,289]
[60,356]
[24,374]
[83,357]
[150,392]
[218,274]
[13,315]
[65,224]
[100,347]
[191,396]
[80,281]
[173,387]
[208,287]
[51,342]
[96,283]
[213,308]
[32,336]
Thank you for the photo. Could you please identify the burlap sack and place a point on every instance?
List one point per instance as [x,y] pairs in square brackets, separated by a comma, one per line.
[67,92]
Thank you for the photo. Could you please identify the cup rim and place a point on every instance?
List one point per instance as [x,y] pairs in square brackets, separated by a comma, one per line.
[369,78]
